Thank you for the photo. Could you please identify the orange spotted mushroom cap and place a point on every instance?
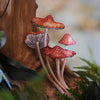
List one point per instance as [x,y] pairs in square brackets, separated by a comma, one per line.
[58,52]
[47,22]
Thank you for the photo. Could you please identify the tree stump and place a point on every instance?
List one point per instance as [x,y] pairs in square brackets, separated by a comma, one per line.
[16,23]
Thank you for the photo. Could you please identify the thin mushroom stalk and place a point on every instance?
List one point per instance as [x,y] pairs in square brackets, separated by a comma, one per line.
[43,65]
[59,74]
[45,36]
[53,75]
[69,54]
[62,71]
[61,80]
[63,67]
[58,69]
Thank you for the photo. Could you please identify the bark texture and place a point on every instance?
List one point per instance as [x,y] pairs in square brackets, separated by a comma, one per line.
[16,23]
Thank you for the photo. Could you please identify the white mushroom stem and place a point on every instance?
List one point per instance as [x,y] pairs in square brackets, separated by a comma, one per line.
[62,72]
[53,75]
[45,36]
[62,69]
[59,74]
[43,65]
[58,69]
[60,79]
[5,78]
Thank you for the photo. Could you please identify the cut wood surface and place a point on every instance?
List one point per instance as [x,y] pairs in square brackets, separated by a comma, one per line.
[16,23]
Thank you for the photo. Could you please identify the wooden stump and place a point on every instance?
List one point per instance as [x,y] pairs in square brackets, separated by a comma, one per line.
[16,23]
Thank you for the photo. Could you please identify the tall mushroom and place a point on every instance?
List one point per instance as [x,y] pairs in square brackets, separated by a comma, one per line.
[48,51]
[36,41]
[59,53]
[34,38]
[66,40]
[47,23]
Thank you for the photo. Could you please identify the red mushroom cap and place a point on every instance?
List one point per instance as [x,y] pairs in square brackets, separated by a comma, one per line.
[35,33]
[67,40]
[47,22]
[69,53]
[47,50]
[58,52]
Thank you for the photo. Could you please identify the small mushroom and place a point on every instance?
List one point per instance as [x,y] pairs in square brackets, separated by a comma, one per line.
[35,41]
[66,40]
[48,51]
[47,23]
[58,53]
[33,37]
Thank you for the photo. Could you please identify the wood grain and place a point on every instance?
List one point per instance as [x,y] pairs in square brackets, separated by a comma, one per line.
[16,23]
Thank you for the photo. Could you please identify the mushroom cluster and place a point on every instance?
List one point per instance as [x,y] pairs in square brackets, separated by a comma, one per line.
[47,23]
[40,40]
